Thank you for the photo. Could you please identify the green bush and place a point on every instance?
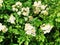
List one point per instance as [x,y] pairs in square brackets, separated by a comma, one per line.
[29,22]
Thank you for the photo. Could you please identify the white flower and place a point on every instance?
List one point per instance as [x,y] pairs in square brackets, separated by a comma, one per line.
[37,4]
[19,12]
[36,10]
[15,9]
[0,26]
[11,19]
[46,28]
[25,18]
[4,28]
[18,4]
[44,12]
[0,5]
[1,1]
[13,6]
[30,30]
[37,7]
[30,18]
[25,11]
[43,7]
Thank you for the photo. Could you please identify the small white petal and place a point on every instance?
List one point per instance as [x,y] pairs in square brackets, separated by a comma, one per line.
[43,7]
[1,1]
[19,12]
[44,12]
[0,26]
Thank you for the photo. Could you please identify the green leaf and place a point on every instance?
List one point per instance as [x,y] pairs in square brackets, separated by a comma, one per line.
[1,38]
[15,31]
[21,40]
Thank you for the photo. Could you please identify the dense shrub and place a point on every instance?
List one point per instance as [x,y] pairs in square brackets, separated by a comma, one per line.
[29,22]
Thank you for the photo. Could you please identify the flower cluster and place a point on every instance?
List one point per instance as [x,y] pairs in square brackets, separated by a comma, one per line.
[20,10]
[16,7]
[46,28]
[30,30]
[38,7]
[1,1]
[3,28]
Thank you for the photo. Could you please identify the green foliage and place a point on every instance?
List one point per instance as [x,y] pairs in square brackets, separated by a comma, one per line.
[16,34]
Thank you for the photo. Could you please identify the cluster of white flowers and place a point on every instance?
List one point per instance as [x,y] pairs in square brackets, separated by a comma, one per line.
[20,10]
[46,28]
[38,7]
[16,6]
[3,28]
[25,11]
[30,30]
[11,19]
[1,1]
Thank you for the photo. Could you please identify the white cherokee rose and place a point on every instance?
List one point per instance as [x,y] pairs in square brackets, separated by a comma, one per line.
[1,1]
[30,30]
[25,11]
[46,28]
[18,4]
[37,4]
[14,8]
[30,18]
[37,7]
[11,19]
[0,26]
[4,28]
[45,12]
[36,10]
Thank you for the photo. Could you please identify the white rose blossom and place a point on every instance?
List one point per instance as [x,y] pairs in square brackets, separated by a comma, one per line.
[1,1]
[36,10]
[30,18]
[17,6]
[3,28]
[11,19]
[25,11]
[38,7]
[0,26]
[30,30]
[46,28]
[45,12]
[37,4]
